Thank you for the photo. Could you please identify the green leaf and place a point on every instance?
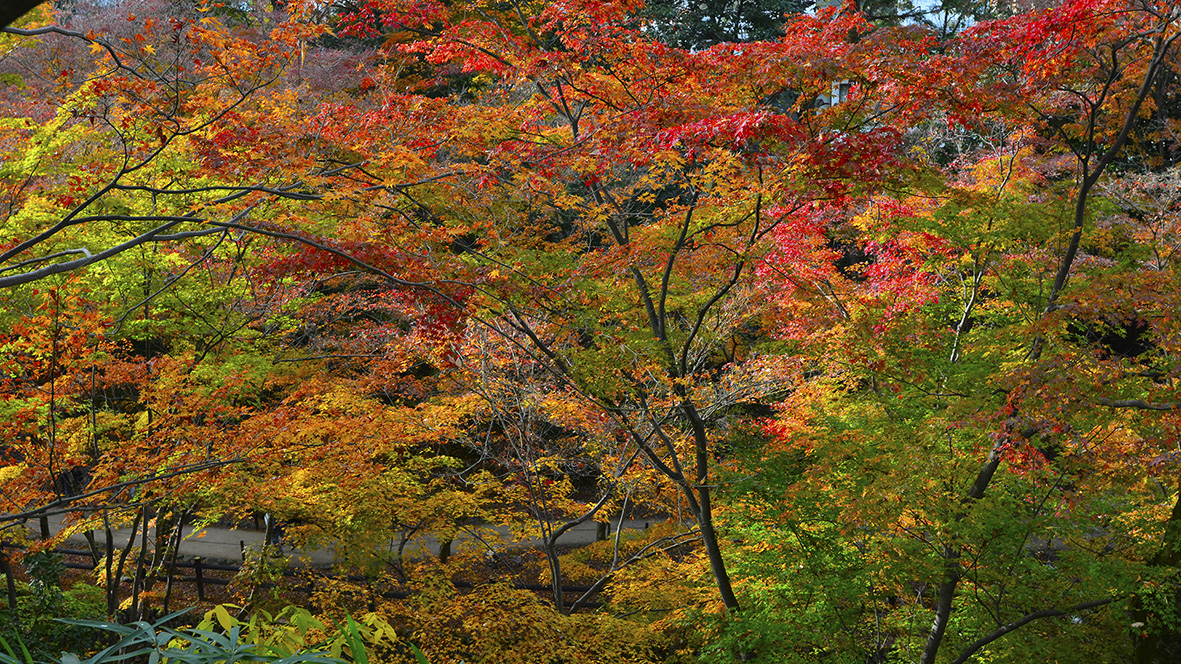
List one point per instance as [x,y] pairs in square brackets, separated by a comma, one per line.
[356,644]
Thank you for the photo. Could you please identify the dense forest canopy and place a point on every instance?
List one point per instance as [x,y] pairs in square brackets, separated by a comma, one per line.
[868,309]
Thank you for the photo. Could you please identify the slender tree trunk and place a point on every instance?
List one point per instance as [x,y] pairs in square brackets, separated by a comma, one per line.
[717,565]
[704,508]
[945,596]
[10,580]
[173,553]
[92,544]
[164,521]
[555,574]
[134,612]
[399,555]
[108,560]
[113,576]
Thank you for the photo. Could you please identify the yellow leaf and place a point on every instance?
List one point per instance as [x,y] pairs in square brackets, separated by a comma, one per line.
[224,618]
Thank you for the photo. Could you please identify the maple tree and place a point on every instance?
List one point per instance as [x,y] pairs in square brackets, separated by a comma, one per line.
[1008,256]
[473,264]
[98,424]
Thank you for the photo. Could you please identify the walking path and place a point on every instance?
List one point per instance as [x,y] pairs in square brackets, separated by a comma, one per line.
[229,544]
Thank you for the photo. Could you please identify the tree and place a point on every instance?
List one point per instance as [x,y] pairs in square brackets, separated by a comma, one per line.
[972,329]
[99,426]
[703,24]
[1085,110]
[606,225]
[152,100]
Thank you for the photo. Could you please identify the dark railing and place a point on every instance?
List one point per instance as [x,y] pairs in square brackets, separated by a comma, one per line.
[199,567]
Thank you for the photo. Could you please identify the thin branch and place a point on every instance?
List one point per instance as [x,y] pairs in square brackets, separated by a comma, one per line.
[59,506]
[77,264]
[33,261]
[1139,404]
[53,29]
[967,653]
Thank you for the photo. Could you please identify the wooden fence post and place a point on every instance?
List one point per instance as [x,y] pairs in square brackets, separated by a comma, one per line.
[200,577]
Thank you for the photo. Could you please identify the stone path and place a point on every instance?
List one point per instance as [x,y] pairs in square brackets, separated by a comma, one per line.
[227,544]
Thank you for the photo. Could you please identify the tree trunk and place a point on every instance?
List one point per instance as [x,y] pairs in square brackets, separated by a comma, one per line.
[709,539]
[114,577]
[703,510]
[945,597]
[555,574]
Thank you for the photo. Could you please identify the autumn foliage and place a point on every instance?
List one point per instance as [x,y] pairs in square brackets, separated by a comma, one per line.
[874,321]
